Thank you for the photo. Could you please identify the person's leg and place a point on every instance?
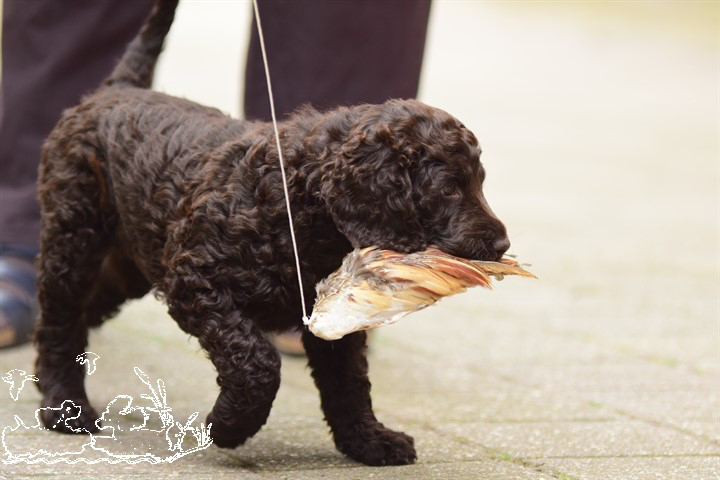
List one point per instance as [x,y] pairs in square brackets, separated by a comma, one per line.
[341,52]
[52,53]
[330,53]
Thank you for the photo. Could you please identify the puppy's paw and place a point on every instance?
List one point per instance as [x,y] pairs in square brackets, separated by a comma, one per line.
[70,417]
[373,444]
[225,436]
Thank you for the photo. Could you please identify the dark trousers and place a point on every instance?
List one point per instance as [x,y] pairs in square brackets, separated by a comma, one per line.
[322,52]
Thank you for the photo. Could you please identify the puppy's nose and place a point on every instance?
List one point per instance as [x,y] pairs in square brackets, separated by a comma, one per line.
[501,245]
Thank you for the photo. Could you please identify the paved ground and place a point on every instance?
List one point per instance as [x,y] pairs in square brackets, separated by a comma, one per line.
[600,129]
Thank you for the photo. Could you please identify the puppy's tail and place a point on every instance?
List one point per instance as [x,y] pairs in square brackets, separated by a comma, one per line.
[137,65]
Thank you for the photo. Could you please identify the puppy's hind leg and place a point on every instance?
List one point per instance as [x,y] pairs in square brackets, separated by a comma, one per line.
[74,239]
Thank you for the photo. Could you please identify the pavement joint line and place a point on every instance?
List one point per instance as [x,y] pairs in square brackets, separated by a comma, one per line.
[614,346]
[514,421]
[354,465]
[514,380]
[411,420]
[527,463]
[660,424]
[656,423]
[626,349]
[419,352]
[488,372]
[517,461]
[499,455]
[638,455]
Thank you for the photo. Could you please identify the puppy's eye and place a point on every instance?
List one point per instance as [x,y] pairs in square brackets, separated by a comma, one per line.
[450,190]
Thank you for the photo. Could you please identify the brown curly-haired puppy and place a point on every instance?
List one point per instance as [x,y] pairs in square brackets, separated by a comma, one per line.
[141,190]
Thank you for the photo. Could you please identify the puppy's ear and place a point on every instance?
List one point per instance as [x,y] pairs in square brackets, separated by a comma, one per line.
[367,189]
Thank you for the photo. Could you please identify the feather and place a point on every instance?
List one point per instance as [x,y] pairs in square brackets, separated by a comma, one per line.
[376,287]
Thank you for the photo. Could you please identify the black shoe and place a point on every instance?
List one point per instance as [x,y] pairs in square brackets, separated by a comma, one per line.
[18,295]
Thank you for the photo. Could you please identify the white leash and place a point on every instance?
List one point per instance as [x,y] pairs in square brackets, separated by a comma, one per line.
[280,157]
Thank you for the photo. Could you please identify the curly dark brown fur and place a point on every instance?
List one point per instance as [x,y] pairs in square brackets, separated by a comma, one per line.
[139,190]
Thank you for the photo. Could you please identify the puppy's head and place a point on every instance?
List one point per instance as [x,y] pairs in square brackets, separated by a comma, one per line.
[403,176]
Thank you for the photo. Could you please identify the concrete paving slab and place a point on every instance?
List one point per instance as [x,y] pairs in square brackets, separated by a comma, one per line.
[488,470]
[619,375]
[639,468]
[296,439]
[695,404]
[707,429]
[493,403]
[313,449]
[487,342]
[279,449]
[557,439]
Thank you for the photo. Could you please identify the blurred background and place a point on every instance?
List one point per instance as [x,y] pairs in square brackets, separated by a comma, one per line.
[599,127]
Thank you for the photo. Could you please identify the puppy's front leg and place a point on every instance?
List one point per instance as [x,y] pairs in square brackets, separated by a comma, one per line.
[340,372]
[248,367]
